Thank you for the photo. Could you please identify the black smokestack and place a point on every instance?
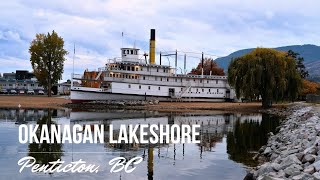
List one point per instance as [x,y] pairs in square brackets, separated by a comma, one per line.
[153,34]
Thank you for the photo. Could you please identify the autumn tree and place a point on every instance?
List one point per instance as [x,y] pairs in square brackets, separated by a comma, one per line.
[299,64]
[208,65]
[265,73]
[309,87]
[47,58]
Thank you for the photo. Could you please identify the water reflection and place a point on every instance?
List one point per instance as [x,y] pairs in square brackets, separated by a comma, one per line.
[248,136]
[45,152]
[225,141]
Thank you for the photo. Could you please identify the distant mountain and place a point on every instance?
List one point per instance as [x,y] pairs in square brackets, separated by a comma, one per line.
[310,53]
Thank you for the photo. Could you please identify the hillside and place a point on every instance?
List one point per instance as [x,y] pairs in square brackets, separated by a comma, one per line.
[310,53]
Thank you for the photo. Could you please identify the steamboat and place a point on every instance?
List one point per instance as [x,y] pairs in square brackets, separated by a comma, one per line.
[134,78]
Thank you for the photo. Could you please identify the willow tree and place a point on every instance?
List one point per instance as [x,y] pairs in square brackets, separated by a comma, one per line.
[265,73]
[47,58]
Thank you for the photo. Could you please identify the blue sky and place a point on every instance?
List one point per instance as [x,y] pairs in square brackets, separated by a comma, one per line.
[95,26]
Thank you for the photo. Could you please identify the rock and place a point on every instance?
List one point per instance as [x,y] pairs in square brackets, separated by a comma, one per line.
[267,151]
[270,134]
[308,158]
[309,169]
[249,176]
[255,157]
[265,168]
[273,156]
[306,164]
[316,165]
[268,178]
[292,170]
[261,150]
[300,156]
[316,176]
[303,176]
[276,166]
[289,160]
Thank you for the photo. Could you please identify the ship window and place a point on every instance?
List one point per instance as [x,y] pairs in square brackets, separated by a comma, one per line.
[208,81]
[141,69]
[194,80]
[128,68]
[157,69]
[139,86]
[160,79]
[217,90]
[159,88]
[202,90]
[137,69]
[164,70]
[216,81]
[200,81]
[149,87]
[181,89]
[127,76]
[129,86]
[167,79]
[127,51]
[144,78]
[131,51]
[136,52]
[124,52]
[132,68]
[209,90]
[136,77]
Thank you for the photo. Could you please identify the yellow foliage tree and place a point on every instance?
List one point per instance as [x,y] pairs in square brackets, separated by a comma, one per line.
[309,87]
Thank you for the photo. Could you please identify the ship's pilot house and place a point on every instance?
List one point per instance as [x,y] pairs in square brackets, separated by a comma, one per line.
[130,55]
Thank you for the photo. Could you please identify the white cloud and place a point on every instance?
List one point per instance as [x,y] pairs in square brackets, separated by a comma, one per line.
[215,27]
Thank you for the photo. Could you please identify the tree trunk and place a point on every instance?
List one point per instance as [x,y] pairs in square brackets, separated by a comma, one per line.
[49,87]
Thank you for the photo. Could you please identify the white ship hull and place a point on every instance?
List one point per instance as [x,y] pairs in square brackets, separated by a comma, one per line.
[79,96]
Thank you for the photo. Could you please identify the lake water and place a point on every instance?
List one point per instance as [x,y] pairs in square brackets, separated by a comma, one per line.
[225,151]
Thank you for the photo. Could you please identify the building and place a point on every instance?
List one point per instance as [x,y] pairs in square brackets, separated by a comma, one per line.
[20,80]
[63,88]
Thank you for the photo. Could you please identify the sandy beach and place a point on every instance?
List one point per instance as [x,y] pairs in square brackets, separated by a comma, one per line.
[13,101]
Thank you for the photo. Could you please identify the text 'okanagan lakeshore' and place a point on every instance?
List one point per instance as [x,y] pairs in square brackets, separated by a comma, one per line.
[142,133]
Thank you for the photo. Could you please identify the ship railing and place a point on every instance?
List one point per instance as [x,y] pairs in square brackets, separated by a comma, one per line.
[200,76]
[124,60]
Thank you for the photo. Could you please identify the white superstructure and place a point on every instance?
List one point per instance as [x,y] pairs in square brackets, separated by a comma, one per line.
[132,78]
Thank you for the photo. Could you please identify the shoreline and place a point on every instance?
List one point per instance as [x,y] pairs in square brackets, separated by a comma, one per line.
[294,151]
[58,102]
[226,107]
